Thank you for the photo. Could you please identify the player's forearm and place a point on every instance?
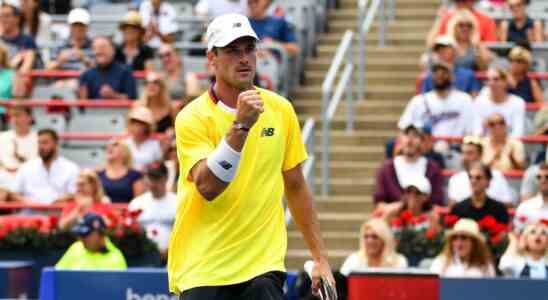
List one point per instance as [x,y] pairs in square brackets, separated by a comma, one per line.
[300,202]
[208,184]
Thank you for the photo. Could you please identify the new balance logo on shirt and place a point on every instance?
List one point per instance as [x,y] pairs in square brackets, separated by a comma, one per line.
[267,131]
[225,165]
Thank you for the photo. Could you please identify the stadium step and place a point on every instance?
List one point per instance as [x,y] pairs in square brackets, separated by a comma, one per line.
[312,106]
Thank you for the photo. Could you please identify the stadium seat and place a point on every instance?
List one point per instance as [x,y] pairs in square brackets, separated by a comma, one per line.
[85,157]
[53,121]
[109,123]
[52,92]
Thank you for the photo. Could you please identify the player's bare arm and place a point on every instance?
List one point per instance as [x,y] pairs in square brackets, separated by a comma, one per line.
[248,109]
[300,202]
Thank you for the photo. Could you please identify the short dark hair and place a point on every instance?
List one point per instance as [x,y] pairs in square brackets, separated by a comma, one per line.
[543,166]
[484,168]
[51,132]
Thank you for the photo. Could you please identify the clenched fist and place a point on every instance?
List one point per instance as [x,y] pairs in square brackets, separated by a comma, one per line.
[249,107]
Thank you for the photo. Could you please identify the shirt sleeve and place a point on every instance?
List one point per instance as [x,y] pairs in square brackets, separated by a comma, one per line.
[529,185]
[84,79]
[411,114]
[426,84]
[469,118]
[381,192]
[288,32]
[350,263]
[71,187]
[295,151]
[452,189]
[19,182]
[193,142]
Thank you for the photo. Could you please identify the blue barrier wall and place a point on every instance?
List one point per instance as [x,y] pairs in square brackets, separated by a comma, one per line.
[151,284]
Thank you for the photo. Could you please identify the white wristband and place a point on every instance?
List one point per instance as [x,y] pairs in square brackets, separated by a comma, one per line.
[223,162]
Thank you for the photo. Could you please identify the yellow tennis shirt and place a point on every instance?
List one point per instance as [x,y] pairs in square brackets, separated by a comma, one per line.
[240,234]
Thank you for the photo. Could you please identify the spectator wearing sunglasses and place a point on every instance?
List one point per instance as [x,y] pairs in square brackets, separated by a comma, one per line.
[465,253]
[377,249]
[519,82]
[526,256]
[459,187]
[496,99]
[480,205]
[521,27]
[133,51]
[536,208]
[500,151]
[156,98]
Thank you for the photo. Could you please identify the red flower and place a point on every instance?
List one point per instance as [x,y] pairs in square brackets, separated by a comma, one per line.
[154,232]
[422,218]
[497,238]
[450,220]
[522,219]
[135,213]
[544,221]
[406,216]
[119,233]
[397,222]
[135,228]
[53,220]
[498,228]
[430,233]
[488,222]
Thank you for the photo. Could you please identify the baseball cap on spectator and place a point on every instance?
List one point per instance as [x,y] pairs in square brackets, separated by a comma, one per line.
[419,182]
[444,41]
[132,18]
[225,29]
[142,114]
[158,171]
[439,64]
[88,223]
[419,130]
[79,15]
[13,3]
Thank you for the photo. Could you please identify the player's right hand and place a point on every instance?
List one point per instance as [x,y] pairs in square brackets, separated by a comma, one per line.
[249,107]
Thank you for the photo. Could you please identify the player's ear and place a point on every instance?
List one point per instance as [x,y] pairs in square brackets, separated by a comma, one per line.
[212,57]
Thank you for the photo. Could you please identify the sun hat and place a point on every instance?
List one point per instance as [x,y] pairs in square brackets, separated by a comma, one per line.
[132,18]
[467,227]
[227,28]
[141,114]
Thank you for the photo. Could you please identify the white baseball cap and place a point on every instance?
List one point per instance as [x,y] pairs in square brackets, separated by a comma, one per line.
[225,29]
[13,3]
[79,15]
[421,183]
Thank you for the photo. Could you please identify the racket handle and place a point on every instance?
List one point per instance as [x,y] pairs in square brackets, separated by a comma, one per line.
[308,267]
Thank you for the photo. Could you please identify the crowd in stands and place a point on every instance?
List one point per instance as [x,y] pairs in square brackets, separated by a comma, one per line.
[140,166]
[447,179]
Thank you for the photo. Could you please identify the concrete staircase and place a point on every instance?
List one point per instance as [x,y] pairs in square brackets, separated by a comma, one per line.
[391,73]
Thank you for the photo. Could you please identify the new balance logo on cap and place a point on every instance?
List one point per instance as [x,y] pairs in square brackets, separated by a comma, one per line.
[225,164]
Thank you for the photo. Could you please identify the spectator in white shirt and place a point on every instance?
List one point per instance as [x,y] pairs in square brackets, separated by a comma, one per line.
[465,253]
[496,99]
[157,206]
[159,19]
[527,255]
[459,184]
[377,249]
[447,110]
[145,150]
[215,8]
[19,144]
[536,208]
[48,178]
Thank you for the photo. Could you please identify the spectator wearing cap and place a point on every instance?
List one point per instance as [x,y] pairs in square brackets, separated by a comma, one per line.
[120,181]
[471,53]
[519,82]
[156,98]
[145,150]
[496,99]
[446,110]
[108,79]
[48,178]
[392,176]
[93,250]
[393,147]
[415,199]
[520,28]
[21,47]
[215,8]
[157,207]
[480,205]
[465,253]
[19,144]
[133,51]
[486,25]
[159,19]
[89,197]
[459,184]
[75,53]
[463,79]
[500,151]
[535,209]
[377,249]
[271,28]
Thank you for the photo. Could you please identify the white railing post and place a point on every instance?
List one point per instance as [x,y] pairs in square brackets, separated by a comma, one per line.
[382,30]
[325,145]
[350,93]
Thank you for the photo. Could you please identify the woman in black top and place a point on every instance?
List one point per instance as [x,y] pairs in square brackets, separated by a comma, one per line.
[521,28]
[156,98]
[519,82]
[133,51]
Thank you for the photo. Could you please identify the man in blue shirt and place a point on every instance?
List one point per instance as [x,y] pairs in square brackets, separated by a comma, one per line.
[463,79]
[108,79]
[21,47]
[271,28]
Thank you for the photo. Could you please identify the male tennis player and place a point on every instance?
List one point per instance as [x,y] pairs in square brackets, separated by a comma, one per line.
[239,148]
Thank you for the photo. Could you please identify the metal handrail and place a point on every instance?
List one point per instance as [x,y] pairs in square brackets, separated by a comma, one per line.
[309,140]
[331,96]
[366,16]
